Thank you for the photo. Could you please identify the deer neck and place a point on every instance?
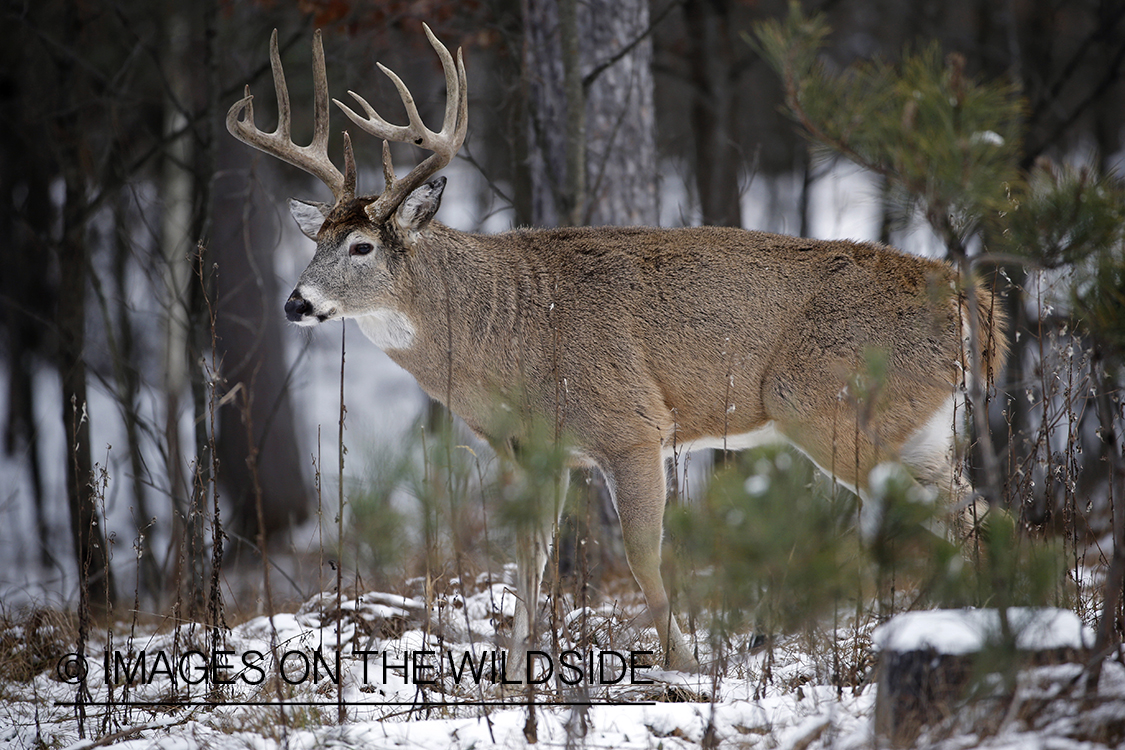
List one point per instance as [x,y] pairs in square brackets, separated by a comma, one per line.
[460,295]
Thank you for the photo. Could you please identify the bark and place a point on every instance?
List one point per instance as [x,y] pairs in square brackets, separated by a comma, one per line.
[26,299]
[91,555]
[621,158]
[181,364]
[572,206]
[609,126]
[127,380]
[546,108]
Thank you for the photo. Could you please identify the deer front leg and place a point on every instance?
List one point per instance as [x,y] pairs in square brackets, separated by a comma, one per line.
[638,485]
[532,548]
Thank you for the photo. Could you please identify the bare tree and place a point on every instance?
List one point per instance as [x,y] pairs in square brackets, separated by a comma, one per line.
[106,106]
[73,143]
[27,296]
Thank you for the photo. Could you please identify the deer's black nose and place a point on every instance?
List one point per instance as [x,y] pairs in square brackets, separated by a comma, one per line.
[296,307]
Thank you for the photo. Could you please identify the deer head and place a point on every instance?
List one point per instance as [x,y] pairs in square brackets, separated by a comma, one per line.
[358,238]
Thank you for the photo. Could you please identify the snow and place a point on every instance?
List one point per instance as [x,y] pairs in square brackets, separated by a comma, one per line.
[776,698]
[987,137]
[388,705]
[967,631]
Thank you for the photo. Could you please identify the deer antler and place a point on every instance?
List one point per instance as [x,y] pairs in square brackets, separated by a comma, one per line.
[312,158]
[444,145]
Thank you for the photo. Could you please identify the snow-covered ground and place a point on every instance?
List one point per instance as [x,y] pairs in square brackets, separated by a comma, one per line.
[408,680]
[395,698]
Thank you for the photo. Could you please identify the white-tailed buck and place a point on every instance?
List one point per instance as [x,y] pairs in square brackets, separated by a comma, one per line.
[641,342]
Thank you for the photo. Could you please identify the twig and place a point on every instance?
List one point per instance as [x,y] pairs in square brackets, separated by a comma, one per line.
[130,733]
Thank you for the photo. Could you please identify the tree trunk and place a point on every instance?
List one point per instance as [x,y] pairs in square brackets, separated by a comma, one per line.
[126,377]
[91,556]
[609,126]
[181,364]
[546,108]
[621,161]
[28,298]
[251,346]
[95,577]
[714,130]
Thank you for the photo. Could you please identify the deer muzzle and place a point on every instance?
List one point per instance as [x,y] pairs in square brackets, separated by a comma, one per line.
[296,308]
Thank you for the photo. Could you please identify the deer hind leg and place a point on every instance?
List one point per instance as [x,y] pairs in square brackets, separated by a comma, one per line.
[828,431]
[847,439]
[932,454]
[814,402]
[532,550]
[637,483]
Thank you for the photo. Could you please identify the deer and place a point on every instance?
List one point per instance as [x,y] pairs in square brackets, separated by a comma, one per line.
[660,340]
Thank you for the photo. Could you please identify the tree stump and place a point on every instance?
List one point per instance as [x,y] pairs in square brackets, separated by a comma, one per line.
[929,661]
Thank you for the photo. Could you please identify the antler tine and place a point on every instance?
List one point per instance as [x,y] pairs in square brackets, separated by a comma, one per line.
[312,158]
[388,167]
[281,88]
[374,122]
[349,168]
[444,144]
[456,107]
[320,98]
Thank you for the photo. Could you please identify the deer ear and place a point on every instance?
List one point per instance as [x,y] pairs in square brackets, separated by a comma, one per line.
[310,215]
[421,205]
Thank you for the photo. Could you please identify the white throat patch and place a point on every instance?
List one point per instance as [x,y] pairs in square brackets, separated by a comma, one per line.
[387,329]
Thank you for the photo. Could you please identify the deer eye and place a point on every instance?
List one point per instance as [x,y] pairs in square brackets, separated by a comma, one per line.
[361,248]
